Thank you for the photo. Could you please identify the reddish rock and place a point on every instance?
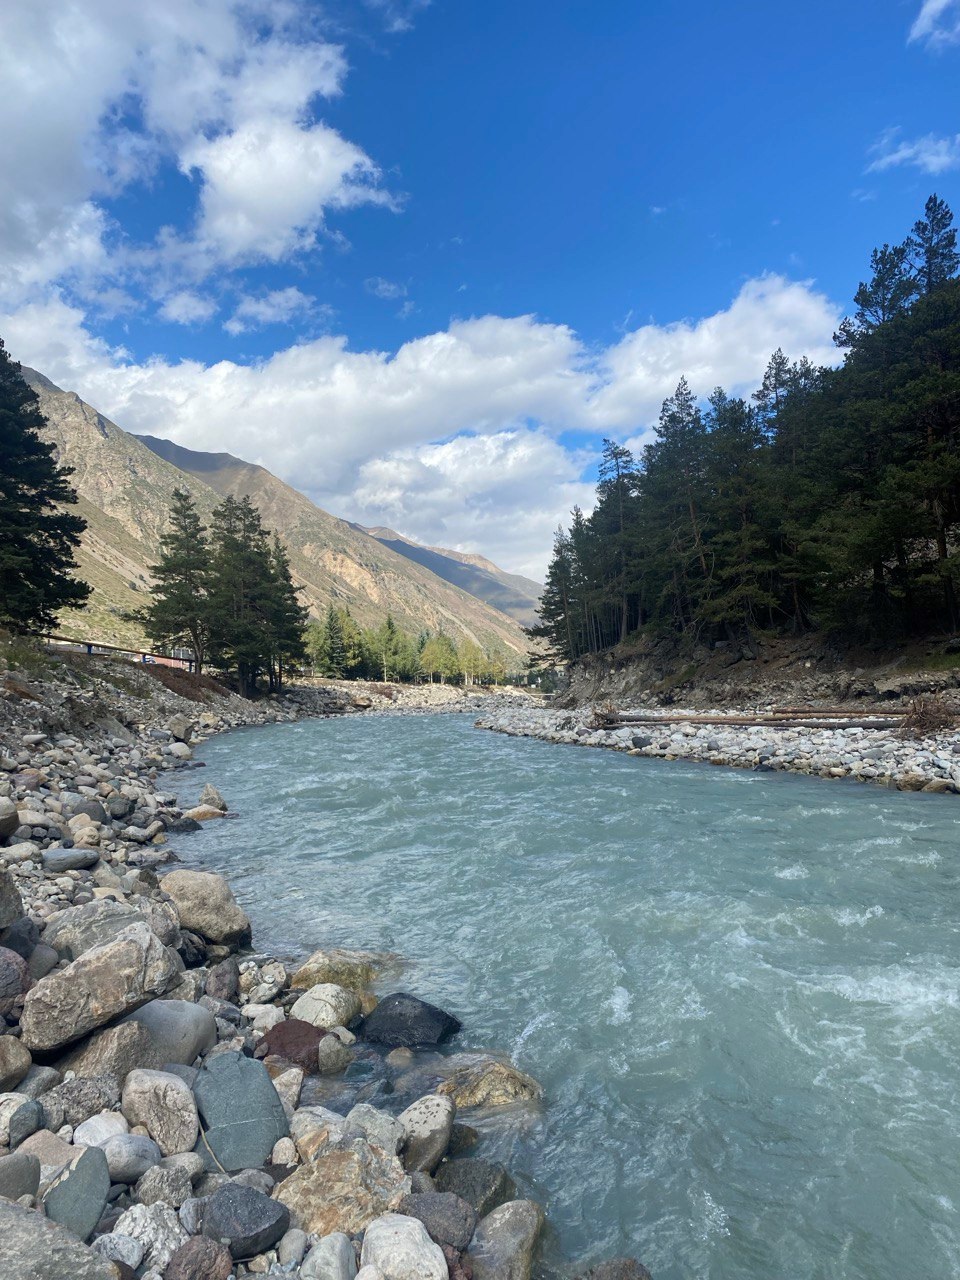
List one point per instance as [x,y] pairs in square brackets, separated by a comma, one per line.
[296,1041]
[200,1259]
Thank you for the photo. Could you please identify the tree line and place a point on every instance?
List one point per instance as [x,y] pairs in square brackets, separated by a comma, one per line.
[339,647]
[830,499]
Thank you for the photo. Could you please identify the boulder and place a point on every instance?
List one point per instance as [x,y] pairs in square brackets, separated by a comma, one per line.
[448,1219]
[617,1269]
[34,1248]
[14,979]
[482,1081]
[113,1051]
[504,1242]
[206,905]
[332,1258]
[181,728]
[427,1125]
[212,797]
[180,1032]
[200,1259]
[57,860]
[77,1100]
[481,1183]
[327,1005]
[158,1229]
[11,904]
[103,983]
[246,1221]
[39,1080]
[404,1021]
[15,1062]
[240,1110]
[223,980]
[19,1175]
[24,1122]
[354,970]
[343,1190]
[163,1105]
[296,1041]
[23,935]
[77,929]
[129,1156]
[400,1249]
[379,1129]
[78,1196]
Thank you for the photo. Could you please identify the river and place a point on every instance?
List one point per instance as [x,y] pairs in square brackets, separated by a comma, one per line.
[740,991]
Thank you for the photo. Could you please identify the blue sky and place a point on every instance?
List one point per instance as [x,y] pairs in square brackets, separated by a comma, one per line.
[420,257]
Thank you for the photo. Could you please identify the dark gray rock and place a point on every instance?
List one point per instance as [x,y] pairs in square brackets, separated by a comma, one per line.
[11,904]
[77,1100]
[180,1032]
[22,936]
[13,978]
[92,808]
[39,1080]
[447,1218]
[25,1121]
[223,980]
[482,1183]
[617,1269]
[42,960]
[79,1195]
[19,1175]
[247,1221]
[241,1114]
[34,1248]
[404,1021]
[57,860]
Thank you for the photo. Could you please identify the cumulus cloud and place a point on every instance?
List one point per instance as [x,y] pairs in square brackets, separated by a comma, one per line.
[280,306]
[930,154]
[937,23]
[455,436]
[187,308]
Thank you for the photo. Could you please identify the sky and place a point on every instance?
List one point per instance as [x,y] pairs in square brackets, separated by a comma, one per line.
[420,257]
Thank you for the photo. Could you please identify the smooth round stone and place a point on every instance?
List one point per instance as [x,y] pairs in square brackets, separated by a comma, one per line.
[129,1156]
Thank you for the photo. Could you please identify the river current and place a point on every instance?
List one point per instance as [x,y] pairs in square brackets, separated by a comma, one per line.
[740,991]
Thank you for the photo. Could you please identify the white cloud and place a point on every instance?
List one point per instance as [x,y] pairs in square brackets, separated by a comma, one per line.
[281,306]
[381,288]
[453,436]
[187,308]
[930,154]
[937,23]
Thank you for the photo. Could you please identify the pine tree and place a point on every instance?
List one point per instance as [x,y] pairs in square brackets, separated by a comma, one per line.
[178,611]
[890,291]
[335,649]
[285,617]
[241,591]
[933,246]
[37,537]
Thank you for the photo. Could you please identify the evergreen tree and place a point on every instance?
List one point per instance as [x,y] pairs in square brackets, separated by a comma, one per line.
[178,611]
[933,246]
[336,650]
[241,590]
[890,291]
[285,617]
[37,538]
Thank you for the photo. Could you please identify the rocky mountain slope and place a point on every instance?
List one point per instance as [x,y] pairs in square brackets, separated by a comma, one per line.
[125,483]
[511,593]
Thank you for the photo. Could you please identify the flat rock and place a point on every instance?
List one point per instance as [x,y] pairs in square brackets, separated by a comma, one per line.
[180,1032]
[504,1241]
[448,1219]
[400,1249]
[482,1183]
[247,1221]
[33,1247]
[344,1190]
[240,1111]
[427,1125]
[327,1005]
[78,1196]
[162,1104]
[404,1021]
[102,984]
[206,905]
[113,1051]
[200,1259]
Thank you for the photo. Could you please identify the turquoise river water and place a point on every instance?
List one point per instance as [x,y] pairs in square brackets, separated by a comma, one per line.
[740,991]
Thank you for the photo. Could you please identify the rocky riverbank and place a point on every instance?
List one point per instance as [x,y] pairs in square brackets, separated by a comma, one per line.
[876,755]
[177,1106]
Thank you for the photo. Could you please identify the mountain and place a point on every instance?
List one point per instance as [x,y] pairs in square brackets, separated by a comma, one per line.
[125,482]
[511,593]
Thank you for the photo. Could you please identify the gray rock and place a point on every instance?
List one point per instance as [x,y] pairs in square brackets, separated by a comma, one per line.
[327,1005]
[163,1104]
[617,1269]
[247,1221]
[24,1122]
[19,1175]
[379,1129]
[119,1249]
[448,1219]
[191,1214]
[78,1196]
[15,1062]
[34,1248]
[11,904]
[77,1100]
[77,929]
[13,978]
[113,1051]
[102,984]
[241,1112]
[158,1229]
[401,1250]
[21,937]
[332,1258]
[130,1155]
[9,818]
[292,1247]
[223,980]
[99,1129]
[59,860]
[427,1124]
[481,1183]
[206,905]
[39,1080]
[333,1056]
[169,1186]
[504,1242]
[180,1032]
[404,1021]
[42,960]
